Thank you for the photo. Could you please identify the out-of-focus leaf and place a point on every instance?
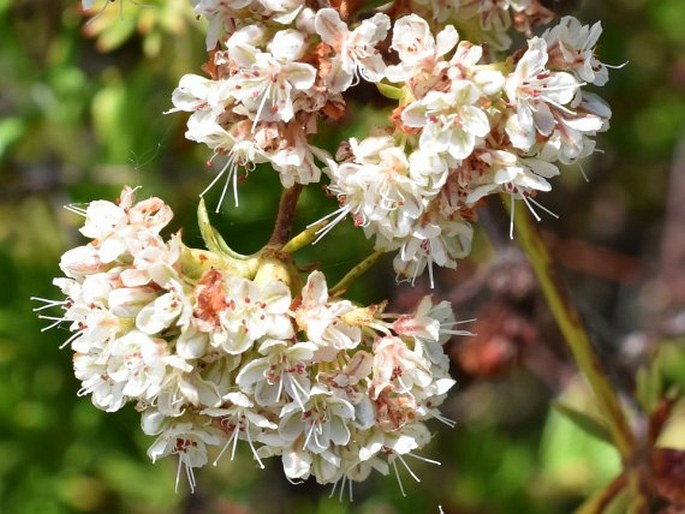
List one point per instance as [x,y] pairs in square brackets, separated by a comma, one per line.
[648,387]
[673,432]
[590,425]
[11,130]
[572,459]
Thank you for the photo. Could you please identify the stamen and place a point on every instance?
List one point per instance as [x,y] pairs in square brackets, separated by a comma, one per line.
[553,214]
[582,172]
[254,450]
[413,475]
[511,217]
[223,450]
[530,208]
[399,480]
[425,459]
[48,303]
[75,209]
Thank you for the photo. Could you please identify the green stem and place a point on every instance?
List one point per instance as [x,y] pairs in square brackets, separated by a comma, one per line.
[573,331]
[304,238]
[356,272]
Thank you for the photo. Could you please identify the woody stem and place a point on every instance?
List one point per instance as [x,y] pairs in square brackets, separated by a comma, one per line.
[574,332]
[286,215]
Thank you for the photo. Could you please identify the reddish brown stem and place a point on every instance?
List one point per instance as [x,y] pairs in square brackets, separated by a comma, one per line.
[286,215]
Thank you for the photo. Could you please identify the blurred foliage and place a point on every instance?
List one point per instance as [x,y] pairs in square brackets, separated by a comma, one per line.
[81,114]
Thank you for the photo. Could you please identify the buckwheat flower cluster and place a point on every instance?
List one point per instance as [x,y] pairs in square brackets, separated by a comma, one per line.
[488,21]
[213,351]
[466,128]
[275,69]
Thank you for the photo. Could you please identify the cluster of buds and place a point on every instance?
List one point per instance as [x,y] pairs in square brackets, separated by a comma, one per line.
[212,350]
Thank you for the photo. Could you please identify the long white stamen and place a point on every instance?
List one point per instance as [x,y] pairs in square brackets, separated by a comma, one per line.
[553,214]
[447,421]
[399,480]
[321,233]
[178,472]
[48,303]
[254,450]
[231,174]
[582,172]
[335,485]
[262,104]
[511,218]
[75,209]
[235,442]
[70,340]
[413,475]
[530,208]
[223,450]
[425,459]
[309,435]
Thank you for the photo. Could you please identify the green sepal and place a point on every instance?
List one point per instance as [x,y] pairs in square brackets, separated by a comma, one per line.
[213,240]
[388,91]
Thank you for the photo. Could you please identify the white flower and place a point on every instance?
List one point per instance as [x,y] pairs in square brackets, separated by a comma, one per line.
[139,362]
[356,53]
[267,84]
[419,51]
[106,393]
[185,437]
[324,421]
[282,370]
[195,93]
[398,368]
[571,47]
[283,11]
[532,89]
[240,421]
[450,121]
[173,306]
[376,189]
[512,174]
[321,319]
[433,241]
[236,312]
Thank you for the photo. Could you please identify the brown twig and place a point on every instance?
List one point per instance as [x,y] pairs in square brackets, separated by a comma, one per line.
[286,215]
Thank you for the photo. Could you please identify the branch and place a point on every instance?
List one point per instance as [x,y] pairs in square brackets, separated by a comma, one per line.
[574,332]
[286,215]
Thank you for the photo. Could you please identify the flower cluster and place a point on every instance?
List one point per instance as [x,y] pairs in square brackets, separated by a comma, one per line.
[465,129]
[277,68]
[212,351]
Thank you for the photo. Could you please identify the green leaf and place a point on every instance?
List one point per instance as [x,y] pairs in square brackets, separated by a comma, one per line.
[588,424]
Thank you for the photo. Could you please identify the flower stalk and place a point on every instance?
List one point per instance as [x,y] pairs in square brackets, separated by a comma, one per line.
[575,335]
[286,215]
[356,272]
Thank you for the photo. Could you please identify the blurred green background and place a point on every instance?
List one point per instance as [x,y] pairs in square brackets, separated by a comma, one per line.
[81,114]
